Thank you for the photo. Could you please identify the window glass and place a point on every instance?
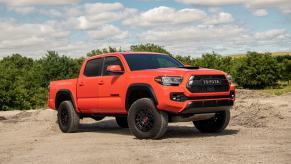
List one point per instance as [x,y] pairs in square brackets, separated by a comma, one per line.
[150,61]
[93,67]
[112,60]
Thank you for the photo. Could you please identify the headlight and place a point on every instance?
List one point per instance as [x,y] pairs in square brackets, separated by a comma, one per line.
[229,78]
[169,80]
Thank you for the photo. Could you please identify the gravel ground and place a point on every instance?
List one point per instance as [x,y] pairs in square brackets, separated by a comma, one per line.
[259,132]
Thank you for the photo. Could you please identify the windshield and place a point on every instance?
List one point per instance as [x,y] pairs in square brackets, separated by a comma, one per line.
[150,61]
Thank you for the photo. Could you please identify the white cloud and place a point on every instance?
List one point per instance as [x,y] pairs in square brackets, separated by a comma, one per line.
[211,2]
[102,7]
[260,12]
[271,34]
[282,5]
[78,28]
[89,22]
[37,2]
[94,15]
[22,9]
[72,11]
[219,18]
[108,32]
[165,15]
[193,34]
[30,37]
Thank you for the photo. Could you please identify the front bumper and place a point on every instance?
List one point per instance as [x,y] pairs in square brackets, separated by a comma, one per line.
[195,103]
[207,106]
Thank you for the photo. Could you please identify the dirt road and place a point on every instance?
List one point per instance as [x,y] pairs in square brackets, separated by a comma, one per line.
[259,132]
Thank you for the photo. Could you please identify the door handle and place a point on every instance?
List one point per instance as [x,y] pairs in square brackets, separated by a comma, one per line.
[101,82]
[81,84]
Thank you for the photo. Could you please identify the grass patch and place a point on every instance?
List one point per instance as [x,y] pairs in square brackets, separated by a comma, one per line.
[278,91]
[273,54]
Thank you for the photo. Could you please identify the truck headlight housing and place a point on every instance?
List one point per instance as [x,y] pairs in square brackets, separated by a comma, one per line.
[229,78]
[169,80]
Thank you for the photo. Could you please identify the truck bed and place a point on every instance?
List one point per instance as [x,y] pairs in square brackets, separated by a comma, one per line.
[55,86]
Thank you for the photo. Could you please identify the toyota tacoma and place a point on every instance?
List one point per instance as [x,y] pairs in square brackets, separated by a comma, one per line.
[143,91]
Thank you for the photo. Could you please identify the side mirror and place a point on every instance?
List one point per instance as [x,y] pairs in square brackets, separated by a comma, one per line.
[187,65]
[114,69]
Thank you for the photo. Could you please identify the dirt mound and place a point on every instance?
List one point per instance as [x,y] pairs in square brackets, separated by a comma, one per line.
[2,118]
[29,115]
[260,135]
[22,115]
[250,94]
[254,114]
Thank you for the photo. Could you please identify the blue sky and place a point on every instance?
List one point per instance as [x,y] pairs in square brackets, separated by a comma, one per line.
[184,27]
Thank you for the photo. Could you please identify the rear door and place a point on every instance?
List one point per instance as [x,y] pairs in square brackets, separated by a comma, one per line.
[89,85]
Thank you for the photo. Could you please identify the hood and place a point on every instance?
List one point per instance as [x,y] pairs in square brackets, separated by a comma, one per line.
[180,71]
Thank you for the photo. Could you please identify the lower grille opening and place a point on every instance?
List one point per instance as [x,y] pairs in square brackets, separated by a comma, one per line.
[211,103]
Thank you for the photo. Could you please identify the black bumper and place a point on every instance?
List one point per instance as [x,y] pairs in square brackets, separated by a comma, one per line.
[207,106]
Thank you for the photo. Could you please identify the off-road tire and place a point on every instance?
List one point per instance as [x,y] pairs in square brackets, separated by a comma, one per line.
[121,121]
[68,118]
[145,121]
[215,124]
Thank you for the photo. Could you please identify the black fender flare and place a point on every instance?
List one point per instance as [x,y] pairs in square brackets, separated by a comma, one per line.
[66,91]
[137,86]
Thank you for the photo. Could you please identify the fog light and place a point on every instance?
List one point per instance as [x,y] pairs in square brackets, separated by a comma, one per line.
[232,94]
[178,97]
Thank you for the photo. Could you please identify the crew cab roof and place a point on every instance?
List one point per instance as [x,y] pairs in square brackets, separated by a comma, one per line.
[122,53]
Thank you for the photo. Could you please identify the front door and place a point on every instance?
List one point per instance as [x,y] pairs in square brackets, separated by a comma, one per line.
[110,95]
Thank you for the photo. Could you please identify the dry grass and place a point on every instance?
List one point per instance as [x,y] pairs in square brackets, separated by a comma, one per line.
[278,91]
[273,54]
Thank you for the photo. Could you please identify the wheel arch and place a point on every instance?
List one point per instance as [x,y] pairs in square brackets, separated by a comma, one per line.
[64,95]
[140,90]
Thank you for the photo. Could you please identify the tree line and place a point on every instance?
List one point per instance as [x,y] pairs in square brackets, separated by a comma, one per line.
[24,81]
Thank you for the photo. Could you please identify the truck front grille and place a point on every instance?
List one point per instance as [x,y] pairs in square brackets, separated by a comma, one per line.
[207,83]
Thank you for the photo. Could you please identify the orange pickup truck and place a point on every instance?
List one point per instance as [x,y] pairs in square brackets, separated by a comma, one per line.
[143,91]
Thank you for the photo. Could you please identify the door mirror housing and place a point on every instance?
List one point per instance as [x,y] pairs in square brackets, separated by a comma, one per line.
[116,69]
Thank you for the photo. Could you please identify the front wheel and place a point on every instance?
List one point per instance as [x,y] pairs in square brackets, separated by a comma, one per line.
[215,124]
[68,118]
[145,121]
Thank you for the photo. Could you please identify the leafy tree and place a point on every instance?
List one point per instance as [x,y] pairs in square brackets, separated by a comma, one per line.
[149,47]
[257,70]
[286,70]
[103,51]
[187,60]
[56,67]
[209,60]
[24,81]
[15,90]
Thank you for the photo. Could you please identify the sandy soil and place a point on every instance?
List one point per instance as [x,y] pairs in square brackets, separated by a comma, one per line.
[259,132]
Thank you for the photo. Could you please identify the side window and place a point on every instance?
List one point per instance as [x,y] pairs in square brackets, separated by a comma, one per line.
[112,60]
[93,67]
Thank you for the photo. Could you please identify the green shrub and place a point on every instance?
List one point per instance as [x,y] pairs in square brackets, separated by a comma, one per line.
[257,70]
[24,81]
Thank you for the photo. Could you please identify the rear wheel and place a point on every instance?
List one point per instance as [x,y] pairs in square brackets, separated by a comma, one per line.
[121,122]
[145,121]
[215,124]
[68,119]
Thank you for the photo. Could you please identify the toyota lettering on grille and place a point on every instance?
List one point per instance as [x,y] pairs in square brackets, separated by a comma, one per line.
[211,82]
